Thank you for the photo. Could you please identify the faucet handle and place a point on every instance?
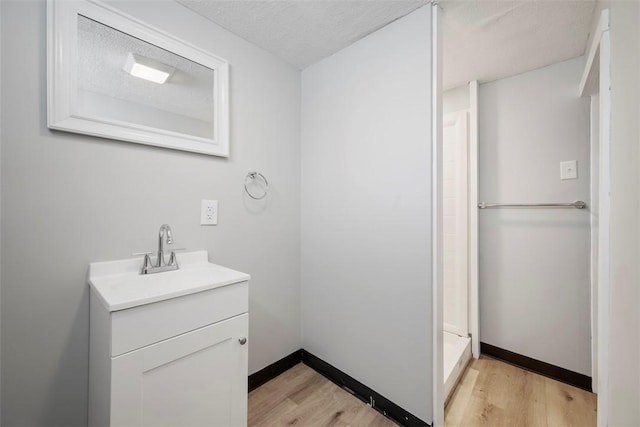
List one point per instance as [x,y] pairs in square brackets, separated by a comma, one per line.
[172,259]
[142,253]
[146,264]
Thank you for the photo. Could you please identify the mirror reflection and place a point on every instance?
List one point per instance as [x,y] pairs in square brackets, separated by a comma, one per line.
[125,80]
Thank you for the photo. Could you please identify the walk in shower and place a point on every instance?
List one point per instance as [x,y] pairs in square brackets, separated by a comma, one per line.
[457,344]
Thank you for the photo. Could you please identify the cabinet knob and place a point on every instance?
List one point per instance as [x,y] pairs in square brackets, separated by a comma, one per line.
[242,340]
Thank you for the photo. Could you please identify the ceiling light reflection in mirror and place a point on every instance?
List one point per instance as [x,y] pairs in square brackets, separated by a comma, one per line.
[119,76]
[148,69]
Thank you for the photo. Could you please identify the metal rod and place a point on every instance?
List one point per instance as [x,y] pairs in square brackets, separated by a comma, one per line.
[577,204]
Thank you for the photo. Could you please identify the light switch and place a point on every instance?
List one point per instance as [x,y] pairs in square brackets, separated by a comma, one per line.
[569,169]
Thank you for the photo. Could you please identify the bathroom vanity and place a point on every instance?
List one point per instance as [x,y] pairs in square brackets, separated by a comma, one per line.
[168,349]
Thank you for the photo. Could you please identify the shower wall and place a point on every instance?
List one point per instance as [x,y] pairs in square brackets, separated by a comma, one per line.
[456,99]
[455,198]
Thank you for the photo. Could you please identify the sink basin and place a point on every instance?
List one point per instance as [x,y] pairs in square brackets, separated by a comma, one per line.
[119,285]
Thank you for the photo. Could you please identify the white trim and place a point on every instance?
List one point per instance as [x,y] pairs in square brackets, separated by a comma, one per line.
[604,229]
[436,218]
[597,80]
[0,211]
[594,224]
[474,295]
[62,80]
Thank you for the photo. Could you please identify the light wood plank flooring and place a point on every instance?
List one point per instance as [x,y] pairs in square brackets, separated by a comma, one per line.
[490,393]
[302,397]
[493,393]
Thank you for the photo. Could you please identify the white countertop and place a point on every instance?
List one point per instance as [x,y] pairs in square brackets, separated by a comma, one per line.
[120,285]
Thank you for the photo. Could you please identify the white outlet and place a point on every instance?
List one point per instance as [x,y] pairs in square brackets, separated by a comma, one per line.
[209,212]
[569,170]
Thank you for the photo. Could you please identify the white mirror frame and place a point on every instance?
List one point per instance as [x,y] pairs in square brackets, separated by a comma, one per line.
[62,80]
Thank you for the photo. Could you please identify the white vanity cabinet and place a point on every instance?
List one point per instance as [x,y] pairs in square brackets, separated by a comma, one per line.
[168,349]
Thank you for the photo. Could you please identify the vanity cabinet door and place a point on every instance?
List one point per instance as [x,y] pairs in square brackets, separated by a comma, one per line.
[195,379]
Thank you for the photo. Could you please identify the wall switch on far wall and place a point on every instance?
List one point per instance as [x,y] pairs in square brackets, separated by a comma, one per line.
[209,212]
[569,170]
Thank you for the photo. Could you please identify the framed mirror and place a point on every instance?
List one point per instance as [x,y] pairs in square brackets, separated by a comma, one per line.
[113,76]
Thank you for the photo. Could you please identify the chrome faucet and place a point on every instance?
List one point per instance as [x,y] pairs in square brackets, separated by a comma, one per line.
[164,233]
[163,228]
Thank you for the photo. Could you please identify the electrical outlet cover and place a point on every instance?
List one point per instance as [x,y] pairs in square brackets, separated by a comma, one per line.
[209,212]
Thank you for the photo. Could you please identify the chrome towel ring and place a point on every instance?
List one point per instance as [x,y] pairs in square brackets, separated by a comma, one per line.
[260,180]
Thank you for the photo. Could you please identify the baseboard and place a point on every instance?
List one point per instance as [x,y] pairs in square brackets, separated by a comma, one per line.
[543,368]
[362,392]
[275,369]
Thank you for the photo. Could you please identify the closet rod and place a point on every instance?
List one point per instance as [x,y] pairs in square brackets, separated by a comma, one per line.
[577,204]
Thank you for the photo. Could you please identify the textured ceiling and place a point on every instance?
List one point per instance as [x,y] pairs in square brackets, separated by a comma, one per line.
[483,40]
[302,32]
[487,40]
[103,51]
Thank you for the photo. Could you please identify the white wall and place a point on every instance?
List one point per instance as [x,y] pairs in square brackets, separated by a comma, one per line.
[366,211]
[68,200]
[534,263]
[624,337]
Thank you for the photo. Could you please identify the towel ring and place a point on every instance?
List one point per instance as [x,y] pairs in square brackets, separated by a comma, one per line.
[253,176]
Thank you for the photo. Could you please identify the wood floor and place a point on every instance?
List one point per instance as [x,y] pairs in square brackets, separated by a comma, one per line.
[302,397]
[493,393]
[490,393]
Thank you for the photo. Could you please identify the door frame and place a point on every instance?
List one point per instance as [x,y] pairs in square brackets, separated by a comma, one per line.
[473,182]
[438,398]
[596,79]
[437,369]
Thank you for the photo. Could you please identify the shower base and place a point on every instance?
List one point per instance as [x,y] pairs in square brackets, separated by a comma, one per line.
[457,353]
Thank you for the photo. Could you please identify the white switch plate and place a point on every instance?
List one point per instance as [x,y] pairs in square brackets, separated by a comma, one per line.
[569,170]
[209,212]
